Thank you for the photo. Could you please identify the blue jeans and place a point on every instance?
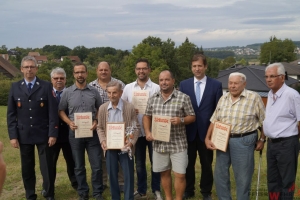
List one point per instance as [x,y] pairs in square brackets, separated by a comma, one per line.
[113,157]
[94,151]
[140,163]
[239,154]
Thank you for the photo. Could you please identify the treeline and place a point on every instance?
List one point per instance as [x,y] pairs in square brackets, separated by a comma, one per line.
[162,54]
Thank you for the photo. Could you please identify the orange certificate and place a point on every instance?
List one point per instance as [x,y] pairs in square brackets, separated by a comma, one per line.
[220,135]
[161,128]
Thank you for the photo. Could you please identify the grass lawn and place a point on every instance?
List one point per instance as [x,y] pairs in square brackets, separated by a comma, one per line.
[14,190]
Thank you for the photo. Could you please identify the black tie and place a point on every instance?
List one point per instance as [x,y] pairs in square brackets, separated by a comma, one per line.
[58,93]
[29,87]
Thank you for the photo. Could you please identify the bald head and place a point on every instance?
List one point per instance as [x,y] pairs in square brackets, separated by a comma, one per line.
[104,71]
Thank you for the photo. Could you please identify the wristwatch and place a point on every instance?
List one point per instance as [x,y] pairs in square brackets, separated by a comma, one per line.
[182,120]
[262,139]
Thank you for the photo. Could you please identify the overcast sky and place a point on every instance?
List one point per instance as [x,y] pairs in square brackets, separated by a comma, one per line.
[123,23]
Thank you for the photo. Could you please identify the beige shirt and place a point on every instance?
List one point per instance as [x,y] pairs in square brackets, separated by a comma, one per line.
[244,115]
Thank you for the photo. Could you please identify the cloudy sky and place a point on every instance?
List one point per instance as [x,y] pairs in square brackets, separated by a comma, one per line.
[124,23]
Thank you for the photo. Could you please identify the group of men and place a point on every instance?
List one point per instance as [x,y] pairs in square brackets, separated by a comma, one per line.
[41,114]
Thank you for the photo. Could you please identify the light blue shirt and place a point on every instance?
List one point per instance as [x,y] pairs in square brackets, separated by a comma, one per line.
[283,114]
[33,82]
[115,114]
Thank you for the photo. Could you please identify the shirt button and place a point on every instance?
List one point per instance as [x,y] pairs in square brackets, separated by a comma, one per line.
[30,117]
[31,125]
[29,108]
[29,100]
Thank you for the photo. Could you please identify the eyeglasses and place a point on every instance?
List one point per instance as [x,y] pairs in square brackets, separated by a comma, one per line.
[272,76]
[29,67]
[83,72]
[59,78]
[141,69]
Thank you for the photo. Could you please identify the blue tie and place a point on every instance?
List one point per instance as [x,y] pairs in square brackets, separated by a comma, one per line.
[58,93]
[198,93]
[29,87]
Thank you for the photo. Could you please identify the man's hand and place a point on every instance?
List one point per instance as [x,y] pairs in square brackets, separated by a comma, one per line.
[175,120]
[259,145]
[15,143]
[72,126]
[95,123]
[136,111]
[103,145]
[209,144]
[129,144]
[149,137]
[51,141]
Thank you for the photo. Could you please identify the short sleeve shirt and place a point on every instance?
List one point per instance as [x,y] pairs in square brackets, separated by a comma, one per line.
[80,100]
[177,105]
[244,115]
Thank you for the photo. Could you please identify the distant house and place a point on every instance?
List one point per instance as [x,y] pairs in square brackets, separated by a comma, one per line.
[296,62]
[5,56]
[74,59]
[33,54]
[8,69]
[41,59]
[255,79]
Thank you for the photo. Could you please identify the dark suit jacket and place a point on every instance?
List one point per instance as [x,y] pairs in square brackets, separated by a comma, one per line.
[63,128]
[209,101]
[32,118]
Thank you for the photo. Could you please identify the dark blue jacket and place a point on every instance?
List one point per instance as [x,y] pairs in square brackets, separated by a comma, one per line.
[209,101]
[32,118]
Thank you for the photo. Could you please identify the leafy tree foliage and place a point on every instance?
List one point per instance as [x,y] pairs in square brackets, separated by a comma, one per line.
[57,51]
[277,50]
[227,62]
[81,51]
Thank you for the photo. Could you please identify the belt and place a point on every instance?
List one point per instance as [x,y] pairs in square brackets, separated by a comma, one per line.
[281,139]
[235,135]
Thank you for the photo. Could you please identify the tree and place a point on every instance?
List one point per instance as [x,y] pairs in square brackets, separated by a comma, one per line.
[3,49]
[227,62]
[213,67]
[67,65]
[277,50]
[80,51]
[184,54]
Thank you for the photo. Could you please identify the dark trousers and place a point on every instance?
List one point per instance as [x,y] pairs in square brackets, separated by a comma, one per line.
[113,157]
[67,152]
[282,161]
[206,158]
[140,163]
[28,173]
[94,152]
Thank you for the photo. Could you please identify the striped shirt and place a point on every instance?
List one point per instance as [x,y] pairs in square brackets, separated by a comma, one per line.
[102,92]
[177,105]
[244,115]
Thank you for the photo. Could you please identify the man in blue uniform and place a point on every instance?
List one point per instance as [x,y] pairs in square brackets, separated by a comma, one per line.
[32,120]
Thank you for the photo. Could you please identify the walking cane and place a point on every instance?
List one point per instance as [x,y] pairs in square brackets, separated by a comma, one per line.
[258,174]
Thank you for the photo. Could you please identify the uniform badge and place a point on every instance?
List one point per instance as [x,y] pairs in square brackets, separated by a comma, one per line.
[19,103]
[42,103]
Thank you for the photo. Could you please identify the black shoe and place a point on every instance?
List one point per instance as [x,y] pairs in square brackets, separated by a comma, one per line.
[83,197]
[188,195]
[99,197]
[43,193]
[208,197]
[75,187]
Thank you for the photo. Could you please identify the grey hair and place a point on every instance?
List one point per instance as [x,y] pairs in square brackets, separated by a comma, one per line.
[243,76]
[280,68]
[58,70]
[29,58]
[114,84]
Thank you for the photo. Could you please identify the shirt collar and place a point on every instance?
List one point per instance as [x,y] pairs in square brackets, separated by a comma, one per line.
[33,81]
[280,91]
[148,84]
[119,106]
[203,80]
[74,87]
